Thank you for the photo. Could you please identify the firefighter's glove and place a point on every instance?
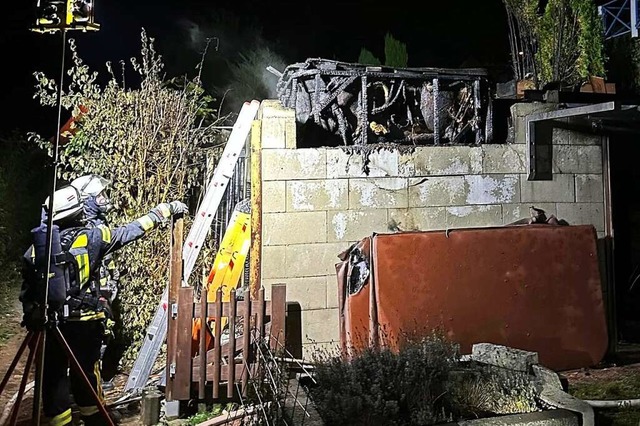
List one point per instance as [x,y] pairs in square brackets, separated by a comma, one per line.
[178,207]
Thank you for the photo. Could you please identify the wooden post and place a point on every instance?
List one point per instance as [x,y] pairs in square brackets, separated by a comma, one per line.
[278,316]
[255,251]
[175,280]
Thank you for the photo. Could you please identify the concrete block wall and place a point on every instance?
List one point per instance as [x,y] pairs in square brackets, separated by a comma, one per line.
[318,201]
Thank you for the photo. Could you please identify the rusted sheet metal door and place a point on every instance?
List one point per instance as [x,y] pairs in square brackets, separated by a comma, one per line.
[532,287]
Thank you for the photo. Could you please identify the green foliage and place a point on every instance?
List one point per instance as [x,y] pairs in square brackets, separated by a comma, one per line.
[563,43]
[395,52]
[623,63]
[148,142]
[368,58]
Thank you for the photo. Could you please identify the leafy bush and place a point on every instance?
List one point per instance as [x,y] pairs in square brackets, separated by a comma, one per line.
[555,41]
[150,143]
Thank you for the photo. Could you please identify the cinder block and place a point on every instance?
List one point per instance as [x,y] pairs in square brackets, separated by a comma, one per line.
[332,290]
[577,159]
[474,216]
[446,160]
[504,356]
[294,228]
[320,325]
[492,189]
[278,125]
[514,212]
[273,262]
[353,225]
[381,163]
[582,214]
[519,113]
[560,189]
[306,260]
[309,292]
[504,158]
[417,219]
[317,195]
[589,188]
[292,164]
[378,193]
[579,138]
[273,196]
[320,351]
[561,136]
[437,191]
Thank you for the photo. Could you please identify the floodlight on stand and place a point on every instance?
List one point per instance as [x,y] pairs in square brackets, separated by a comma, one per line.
[59,15]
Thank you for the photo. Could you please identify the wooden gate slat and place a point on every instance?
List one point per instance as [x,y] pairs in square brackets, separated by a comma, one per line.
[182,381]
[231,366]
[246,341]
[203,345]
[217,359]
[278,307]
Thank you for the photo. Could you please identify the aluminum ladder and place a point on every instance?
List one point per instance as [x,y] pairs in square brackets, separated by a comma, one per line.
[157,330]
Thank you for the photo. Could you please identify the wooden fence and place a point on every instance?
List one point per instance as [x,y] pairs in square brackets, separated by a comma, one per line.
[232,363]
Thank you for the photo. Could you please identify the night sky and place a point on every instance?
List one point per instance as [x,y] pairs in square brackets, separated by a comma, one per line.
[437,34]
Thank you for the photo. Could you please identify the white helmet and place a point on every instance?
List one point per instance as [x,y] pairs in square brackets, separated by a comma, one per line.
[66,203]
[88,185]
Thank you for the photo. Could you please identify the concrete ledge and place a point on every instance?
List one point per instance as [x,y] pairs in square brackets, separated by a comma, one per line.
[543,418]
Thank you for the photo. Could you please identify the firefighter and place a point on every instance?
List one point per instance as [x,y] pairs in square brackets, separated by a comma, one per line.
[81,317]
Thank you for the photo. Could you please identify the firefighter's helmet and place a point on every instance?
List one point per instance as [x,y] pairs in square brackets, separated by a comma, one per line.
[66,203]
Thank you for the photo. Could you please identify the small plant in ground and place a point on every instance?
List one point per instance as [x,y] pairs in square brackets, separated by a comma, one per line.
[381,386]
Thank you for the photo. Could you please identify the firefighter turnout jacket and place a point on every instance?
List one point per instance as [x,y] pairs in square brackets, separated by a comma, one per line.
[85,249]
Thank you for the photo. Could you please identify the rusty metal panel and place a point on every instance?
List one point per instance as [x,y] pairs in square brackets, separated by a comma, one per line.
[354,296]
[533,287]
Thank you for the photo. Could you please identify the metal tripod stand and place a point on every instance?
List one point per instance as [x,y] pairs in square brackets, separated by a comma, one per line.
[35,341]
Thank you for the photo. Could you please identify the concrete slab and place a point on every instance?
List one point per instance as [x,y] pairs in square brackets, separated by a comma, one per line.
[542,418]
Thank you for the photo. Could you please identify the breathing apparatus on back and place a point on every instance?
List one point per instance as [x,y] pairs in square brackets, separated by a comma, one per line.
[67,209]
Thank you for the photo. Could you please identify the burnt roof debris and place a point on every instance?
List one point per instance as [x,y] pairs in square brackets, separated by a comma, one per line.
[358,105]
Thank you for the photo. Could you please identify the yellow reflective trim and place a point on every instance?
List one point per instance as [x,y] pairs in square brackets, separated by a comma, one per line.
[96,371]
[80,242]
[61,419]
[83,267]
[146,222]
[106,233]
[88,316]
[33,252]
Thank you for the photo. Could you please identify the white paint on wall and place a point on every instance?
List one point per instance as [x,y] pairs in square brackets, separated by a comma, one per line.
[464,211]
[490,190]
[340,225]
[454,187]
[334,192]
[300,196]
[456,167]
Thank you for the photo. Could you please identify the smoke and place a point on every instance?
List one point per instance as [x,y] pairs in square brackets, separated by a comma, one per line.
[236,58]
